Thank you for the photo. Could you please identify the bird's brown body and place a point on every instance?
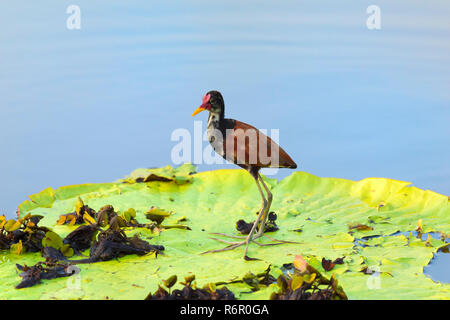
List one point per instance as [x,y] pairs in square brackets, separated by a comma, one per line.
[266,153]
[250,149]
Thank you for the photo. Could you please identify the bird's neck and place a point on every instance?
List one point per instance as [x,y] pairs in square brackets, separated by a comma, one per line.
[215,120]
[215,128]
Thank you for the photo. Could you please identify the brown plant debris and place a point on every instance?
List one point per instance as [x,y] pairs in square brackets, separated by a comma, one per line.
[359,227]
[306,283]
[53,254]
[190,292]
[255,282]
[83,213]
[329,265]
[245,228]
[22,235]
[43,270]
[113,243]
[81,238]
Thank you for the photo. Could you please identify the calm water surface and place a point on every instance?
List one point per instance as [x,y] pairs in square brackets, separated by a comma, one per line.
[91,105]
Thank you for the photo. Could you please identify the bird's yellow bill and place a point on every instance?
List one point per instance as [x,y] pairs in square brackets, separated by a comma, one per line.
[198,110]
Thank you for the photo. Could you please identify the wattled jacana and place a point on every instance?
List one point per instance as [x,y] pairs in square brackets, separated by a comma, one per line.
[250,149]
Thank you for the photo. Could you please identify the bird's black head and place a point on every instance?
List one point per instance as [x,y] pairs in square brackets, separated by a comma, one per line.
[213,102]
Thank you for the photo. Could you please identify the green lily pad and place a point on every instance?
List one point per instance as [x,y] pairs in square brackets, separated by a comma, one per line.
[53,240]
[180,175]
[322,208]
[44,198]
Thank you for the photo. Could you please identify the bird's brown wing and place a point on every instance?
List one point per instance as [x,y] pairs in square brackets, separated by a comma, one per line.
[244,144]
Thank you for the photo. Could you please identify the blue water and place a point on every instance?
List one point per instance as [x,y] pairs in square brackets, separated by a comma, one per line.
[93,104]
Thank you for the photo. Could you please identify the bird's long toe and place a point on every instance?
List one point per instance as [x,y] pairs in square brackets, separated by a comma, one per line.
[228,235]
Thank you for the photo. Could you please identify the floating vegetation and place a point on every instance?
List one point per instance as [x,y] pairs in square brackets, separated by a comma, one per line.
[181,175]
[245,228]
[43,270]
[104,245]
[81,238]
[306,283]
[113,243]
[256,282]
[53,254]
[157,215]
[22,235]
[190,291]
[365,223]
[328,265]
[359,226]
[82,214]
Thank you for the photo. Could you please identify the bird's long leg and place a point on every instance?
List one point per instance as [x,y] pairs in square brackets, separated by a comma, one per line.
[261,220]
[249,237]
[266,214]
[258,219]
[266,211]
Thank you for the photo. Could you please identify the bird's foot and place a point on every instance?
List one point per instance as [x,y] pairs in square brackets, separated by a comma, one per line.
[256,236]
[235,244]
[228,235]
[280,241]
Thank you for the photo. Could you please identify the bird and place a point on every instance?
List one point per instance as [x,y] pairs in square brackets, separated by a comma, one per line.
[250,149]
